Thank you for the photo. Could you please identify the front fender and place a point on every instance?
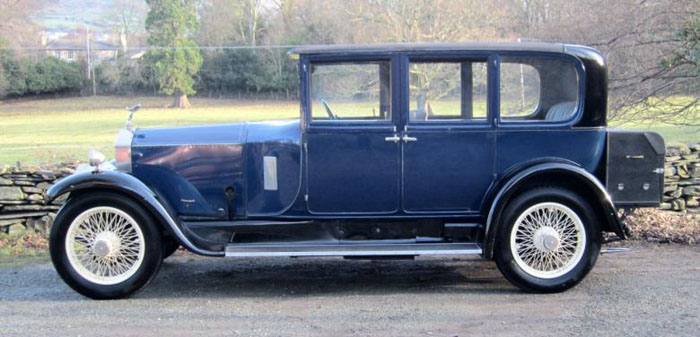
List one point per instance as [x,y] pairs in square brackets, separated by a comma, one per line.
[575,172]
[129,185]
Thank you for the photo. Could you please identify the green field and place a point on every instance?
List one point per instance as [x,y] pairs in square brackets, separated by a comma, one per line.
[56,130]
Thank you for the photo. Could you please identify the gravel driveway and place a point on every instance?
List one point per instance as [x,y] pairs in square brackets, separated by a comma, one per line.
[651,291]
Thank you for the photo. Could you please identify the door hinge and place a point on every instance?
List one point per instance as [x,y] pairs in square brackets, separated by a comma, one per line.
[306,197]
[659,170]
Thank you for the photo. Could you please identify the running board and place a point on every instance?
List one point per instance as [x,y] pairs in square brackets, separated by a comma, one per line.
[270,250]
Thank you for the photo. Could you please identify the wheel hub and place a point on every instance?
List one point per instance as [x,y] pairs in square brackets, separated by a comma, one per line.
[106,243]
[546,239]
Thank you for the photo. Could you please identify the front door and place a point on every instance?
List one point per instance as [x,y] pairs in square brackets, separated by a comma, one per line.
[448,139]
[352,152]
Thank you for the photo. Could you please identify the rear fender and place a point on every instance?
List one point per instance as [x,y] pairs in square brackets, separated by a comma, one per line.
[506,192]
[129,185]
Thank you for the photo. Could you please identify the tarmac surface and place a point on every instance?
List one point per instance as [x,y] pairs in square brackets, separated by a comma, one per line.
[653,290]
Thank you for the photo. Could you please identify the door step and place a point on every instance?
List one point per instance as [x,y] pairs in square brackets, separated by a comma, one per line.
[270,250]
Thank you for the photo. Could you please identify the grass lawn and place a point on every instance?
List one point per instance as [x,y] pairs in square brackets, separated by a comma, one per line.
[54,130]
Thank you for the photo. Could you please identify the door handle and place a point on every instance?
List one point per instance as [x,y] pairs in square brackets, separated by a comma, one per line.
[407,139]
[394,138]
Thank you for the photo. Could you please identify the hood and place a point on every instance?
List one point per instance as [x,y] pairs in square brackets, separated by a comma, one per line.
[233,133]
[197,168]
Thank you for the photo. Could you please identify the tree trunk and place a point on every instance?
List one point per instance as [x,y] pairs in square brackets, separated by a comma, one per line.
[181,102]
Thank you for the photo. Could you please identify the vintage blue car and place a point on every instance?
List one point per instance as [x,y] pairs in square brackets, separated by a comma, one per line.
[401,150]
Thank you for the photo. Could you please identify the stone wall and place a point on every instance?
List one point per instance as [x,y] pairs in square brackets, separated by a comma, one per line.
[22,205]
[21,202]
[682,178]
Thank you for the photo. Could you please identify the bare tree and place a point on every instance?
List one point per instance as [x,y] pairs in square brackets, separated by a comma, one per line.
[426,20]
[231,21]
[638,37]
[16,26]
[128,18]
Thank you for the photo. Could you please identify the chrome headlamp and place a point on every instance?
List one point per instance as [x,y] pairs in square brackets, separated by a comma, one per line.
[95,158]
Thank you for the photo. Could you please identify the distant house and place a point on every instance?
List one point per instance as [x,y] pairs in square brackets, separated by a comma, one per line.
[74,49]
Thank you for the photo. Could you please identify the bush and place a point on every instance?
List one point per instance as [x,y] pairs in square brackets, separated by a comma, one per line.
[107,78]
[4,85]
[27,77]
[247,71]
[125,77]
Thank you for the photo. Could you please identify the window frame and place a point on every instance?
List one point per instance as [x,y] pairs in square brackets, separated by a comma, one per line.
[449,58]
[489,57]
[307,63]
[581,76]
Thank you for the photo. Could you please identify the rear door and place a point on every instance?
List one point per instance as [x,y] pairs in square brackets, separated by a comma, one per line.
[448,139]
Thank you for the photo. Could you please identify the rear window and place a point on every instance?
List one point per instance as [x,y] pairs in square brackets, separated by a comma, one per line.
[538,89]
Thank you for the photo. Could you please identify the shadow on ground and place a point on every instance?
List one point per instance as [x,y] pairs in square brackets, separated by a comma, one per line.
[322,276]
[185,275]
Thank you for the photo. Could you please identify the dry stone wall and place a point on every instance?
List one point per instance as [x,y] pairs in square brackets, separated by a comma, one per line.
[21,197]
[22,204]
[682,178]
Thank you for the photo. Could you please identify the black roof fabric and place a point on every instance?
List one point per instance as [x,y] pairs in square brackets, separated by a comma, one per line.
[429,46]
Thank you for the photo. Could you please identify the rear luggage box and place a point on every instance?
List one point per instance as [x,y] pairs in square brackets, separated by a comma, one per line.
[635,168]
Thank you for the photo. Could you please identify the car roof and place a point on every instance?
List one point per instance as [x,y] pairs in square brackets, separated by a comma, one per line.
[428,46]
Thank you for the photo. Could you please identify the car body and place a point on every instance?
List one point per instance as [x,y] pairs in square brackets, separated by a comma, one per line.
[461,141]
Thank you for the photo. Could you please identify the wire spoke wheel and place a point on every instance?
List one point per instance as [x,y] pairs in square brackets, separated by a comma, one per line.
[548,240]
[105,245]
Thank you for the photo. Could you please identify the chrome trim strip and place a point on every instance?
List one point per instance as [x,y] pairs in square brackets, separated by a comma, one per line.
[270,173]
[352,250]
[357,253]
[180,144]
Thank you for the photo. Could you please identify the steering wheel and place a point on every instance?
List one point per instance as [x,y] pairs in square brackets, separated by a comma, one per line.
[328,109]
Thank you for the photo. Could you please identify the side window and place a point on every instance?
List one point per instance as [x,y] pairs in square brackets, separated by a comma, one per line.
[448,91]
[538,89]
[351,91]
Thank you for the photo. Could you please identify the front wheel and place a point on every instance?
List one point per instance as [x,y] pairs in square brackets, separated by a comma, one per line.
[105,245]
[549,240]
[170,246]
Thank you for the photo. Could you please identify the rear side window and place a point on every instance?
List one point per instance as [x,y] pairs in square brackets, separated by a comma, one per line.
[538,89]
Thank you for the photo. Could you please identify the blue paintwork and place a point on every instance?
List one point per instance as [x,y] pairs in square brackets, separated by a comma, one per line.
[453,167]
[192,167]
[519,146]
[351,172]
[346,170]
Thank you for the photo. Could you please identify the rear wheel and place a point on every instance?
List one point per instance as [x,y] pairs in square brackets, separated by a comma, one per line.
[105,245]
[549,240]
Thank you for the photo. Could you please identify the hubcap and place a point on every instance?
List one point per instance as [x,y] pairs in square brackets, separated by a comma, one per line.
[547,240]
[105,245]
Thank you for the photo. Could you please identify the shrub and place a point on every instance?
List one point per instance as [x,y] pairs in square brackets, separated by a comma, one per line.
[28,77]
[247,71]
